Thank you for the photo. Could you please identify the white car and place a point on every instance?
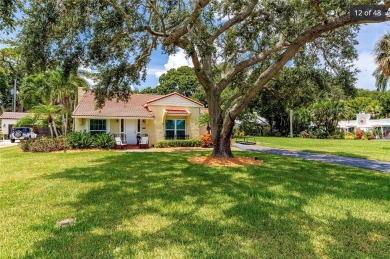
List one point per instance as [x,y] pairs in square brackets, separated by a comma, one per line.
[22,133]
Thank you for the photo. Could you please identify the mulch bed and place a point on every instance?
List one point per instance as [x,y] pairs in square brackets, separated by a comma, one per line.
[223,161]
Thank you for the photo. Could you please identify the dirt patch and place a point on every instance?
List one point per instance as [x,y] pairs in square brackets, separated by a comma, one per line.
[223,161]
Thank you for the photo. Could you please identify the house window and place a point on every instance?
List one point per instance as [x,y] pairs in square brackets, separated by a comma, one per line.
[97,126]
[175,129]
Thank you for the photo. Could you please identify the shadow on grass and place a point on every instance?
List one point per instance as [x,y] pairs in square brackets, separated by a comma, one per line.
[160,205]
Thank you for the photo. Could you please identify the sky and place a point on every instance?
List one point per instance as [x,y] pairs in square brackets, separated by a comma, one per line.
[368,36]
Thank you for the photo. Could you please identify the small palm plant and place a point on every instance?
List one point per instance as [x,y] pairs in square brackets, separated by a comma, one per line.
[204,119]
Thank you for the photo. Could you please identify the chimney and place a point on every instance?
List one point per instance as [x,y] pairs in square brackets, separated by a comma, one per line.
[80,94]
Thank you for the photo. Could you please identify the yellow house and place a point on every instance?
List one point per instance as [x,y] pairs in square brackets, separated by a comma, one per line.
[159,117]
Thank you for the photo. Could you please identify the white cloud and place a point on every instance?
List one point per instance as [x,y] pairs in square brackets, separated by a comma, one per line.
[174,61]
[366,65]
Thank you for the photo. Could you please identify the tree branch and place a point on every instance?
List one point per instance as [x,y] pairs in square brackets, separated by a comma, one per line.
[319,10]
[250,62]
[331,65]
[131,29]
[203,79]
[236,19]
[178,33]
[307,36]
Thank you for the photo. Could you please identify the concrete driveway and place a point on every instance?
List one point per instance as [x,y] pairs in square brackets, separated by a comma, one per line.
[7,143]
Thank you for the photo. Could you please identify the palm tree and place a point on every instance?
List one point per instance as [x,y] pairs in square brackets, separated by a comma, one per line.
[49,111]
[64,91]
[52,88]
[204,119]
[382,58]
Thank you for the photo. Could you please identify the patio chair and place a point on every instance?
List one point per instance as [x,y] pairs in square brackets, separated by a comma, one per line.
[118,142]
[144,142]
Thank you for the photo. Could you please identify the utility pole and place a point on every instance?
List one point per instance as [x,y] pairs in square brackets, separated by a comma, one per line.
[14,103]
[291,123]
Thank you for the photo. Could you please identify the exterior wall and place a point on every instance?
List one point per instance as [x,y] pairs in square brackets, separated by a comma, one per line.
[5,124]
[156,128]
[148,127]
[115,126]
[81,124]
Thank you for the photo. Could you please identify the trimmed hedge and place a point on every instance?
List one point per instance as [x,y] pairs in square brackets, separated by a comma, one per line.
[178,143]
[44,144]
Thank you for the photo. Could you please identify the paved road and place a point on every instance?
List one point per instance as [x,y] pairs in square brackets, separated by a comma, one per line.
[331,159]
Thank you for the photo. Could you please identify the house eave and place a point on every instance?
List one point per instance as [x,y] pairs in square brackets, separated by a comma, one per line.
[111,117]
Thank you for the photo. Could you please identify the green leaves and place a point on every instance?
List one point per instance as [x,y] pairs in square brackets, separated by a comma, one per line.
[382,58]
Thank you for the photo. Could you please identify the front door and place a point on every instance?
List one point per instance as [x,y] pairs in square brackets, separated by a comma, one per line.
[131,131]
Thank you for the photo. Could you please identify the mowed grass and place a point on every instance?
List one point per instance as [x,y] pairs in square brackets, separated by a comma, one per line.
[367,149]
[158,205]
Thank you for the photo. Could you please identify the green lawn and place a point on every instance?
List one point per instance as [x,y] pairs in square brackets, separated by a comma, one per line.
[158,205]
[368,149]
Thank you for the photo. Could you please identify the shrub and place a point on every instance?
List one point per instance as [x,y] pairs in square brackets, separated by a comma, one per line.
[104,140]
[359,134]
[44,144]
[178,143]
[304,134]
[239,134]
[25,145]
[369,135]
[206,140]
[377,132]
[349,135]
[80,139]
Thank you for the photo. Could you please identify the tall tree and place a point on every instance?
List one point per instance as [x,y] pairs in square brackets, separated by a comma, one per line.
[12,63]
[226,40]
[7,14]
[382,58]
[51,88]
[297,87]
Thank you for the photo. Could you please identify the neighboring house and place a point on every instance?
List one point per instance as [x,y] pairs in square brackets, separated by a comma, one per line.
[9,119]
[365,123]
[171,116]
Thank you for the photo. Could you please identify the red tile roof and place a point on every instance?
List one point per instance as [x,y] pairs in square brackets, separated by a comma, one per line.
[170,111]
[14,115]
[133,108]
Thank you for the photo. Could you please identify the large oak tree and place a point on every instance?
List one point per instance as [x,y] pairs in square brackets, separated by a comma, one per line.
[228,42]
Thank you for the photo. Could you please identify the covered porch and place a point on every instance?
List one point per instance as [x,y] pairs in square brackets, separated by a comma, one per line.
[129,130]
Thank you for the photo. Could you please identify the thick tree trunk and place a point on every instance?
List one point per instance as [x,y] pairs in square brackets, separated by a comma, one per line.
[221,128]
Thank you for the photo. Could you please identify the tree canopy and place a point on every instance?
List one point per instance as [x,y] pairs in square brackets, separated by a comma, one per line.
[236,46]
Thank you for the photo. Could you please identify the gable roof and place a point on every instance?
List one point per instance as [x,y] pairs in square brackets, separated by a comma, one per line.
[136,107]
[14,115]
[112,108]
[173,94]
